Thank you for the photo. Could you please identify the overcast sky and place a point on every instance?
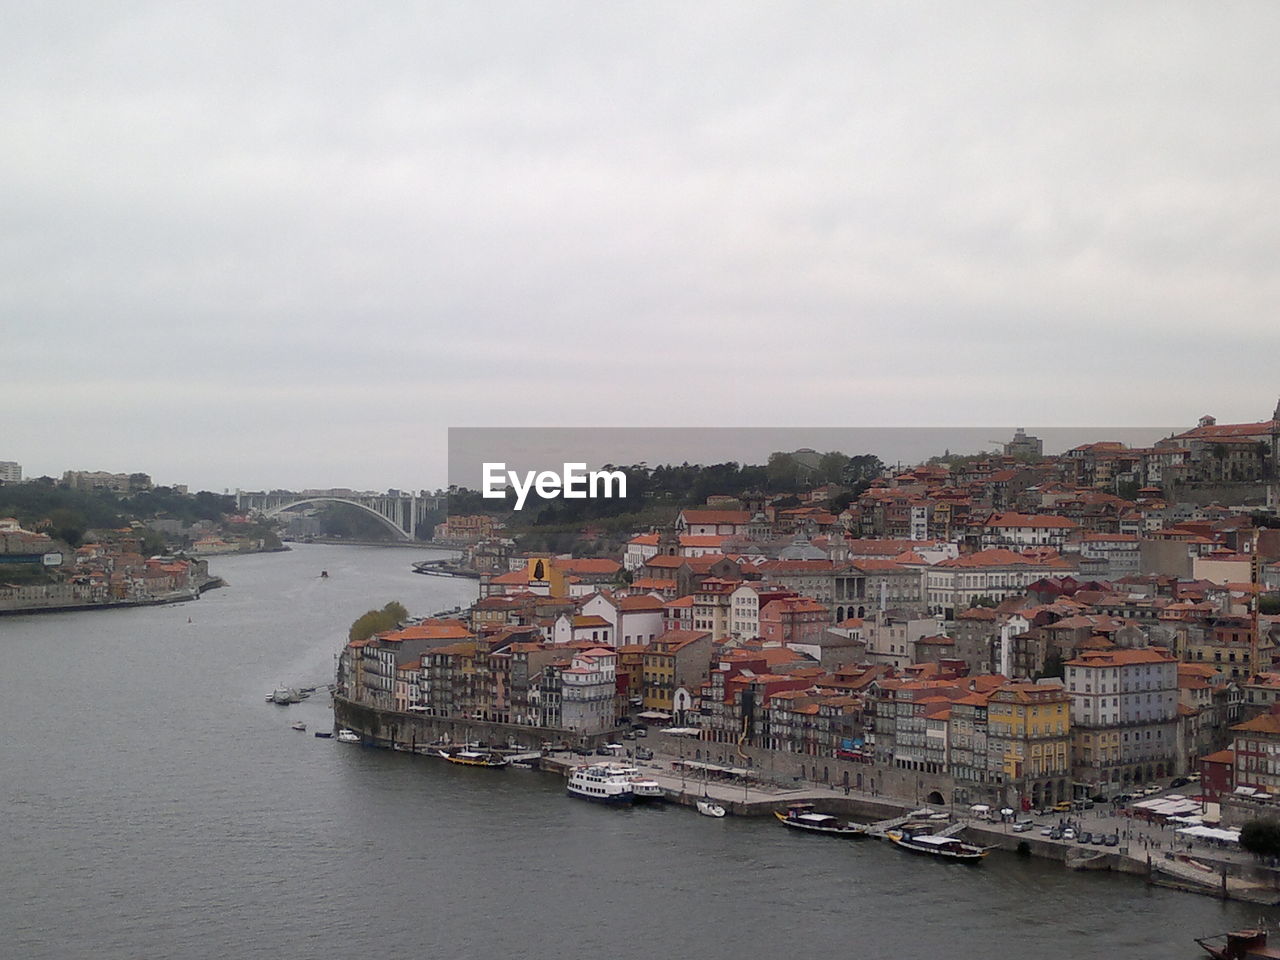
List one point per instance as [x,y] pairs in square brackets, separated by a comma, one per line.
[289,244]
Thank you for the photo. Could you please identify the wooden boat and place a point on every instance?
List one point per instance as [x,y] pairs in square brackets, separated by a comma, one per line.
[802,816]
[944,848]
[1240,945]
[474,758]
[299,725]
[709,808]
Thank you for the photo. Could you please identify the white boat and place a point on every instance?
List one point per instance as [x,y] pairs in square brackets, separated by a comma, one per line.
[601,783]
[348,736]
[298,726]
[709,808]
[646,789]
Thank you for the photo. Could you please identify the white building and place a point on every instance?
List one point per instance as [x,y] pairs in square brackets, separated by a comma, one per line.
[588,694]
[1124,714]
[10,472]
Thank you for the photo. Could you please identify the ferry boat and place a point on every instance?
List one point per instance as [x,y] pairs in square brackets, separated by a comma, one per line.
[945,848]
[802,816]
[602,783]
[474,758]
[1240,945]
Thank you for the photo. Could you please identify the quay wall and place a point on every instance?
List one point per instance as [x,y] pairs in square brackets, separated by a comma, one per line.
[392,728]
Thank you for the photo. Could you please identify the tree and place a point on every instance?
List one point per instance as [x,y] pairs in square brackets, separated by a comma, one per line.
[1053,667]
[1269,604]
[378,621]
[1261,837]
[983,601]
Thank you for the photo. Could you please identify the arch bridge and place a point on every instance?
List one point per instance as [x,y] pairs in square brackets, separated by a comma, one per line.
[399,512]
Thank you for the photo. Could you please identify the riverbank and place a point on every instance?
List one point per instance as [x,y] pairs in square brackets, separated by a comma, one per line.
[746,796]
[58,603]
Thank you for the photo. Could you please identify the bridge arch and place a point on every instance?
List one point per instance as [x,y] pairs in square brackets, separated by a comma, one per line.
[387,522]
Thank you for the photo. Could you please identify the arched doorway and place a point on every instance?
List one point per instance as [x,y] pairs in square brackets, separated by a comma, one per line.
[935,798]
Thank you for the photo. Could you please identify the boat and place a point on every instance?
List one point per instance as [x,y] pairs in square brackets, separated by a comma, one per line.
[646,789]
[348,736]
[284,696]
[945,848]
[709,808]
[324,734]
[298,726]
[802,816]
[601,783]
[474,758]
[1240,945]
[324,574]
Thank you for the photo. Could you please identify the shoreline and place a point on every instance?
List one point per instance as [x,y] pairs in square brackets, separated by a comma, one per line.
[177,596]
[410,733]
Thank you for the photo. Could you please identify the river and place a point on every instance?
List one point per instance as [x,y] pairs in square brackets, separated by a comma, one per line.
[153,805]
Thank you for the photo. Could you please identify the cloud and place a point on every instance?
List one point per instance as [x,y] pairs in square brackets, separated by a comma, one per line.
[475,213]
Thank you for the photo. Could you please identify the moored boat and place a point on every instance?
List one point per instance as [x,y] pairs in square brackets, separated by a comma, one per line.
[802,816]
[709,808]
[474,758]
[1240,945]
[299,725]
[348,736]
[945,848]
[601,783]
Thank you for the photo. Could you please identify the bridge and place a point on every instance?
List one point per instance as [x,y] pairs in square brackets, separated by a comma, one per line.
[400,512]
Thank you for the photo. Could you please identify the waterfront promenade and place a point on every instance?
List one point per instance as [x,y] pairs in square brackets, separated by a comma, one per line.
[1149,849]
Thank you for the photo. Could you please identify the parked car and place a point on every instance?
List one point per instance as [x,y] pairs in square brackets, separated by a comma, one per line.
[1121,798]
[1099,798]
[1179,781]
[1063,806]
[1099,839]
[1049,832]
[629,735]
[1055,834]
[641,731]
[1113,840]
[644,753]
[1022,826]
[1084,837]
[1068,834]
[1082,805]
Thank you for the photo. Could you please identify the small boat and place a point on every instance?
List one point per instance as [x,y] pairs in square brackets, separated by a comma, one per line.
[324,574]
[709,808]
[945,848]
[802,816]
[324,734]
[474,758]
[1239,945]
[299,725]
[348,736]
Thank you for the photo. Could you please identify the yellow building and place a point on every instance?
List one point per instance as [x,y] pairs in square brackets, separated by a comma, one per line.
[1029,740]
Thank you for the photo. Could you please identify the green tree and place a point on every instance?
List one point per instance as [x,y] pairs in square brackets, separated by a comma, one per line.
[1261,837]
[1053,667]
[378,621]
[1269,604]
[983,601]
